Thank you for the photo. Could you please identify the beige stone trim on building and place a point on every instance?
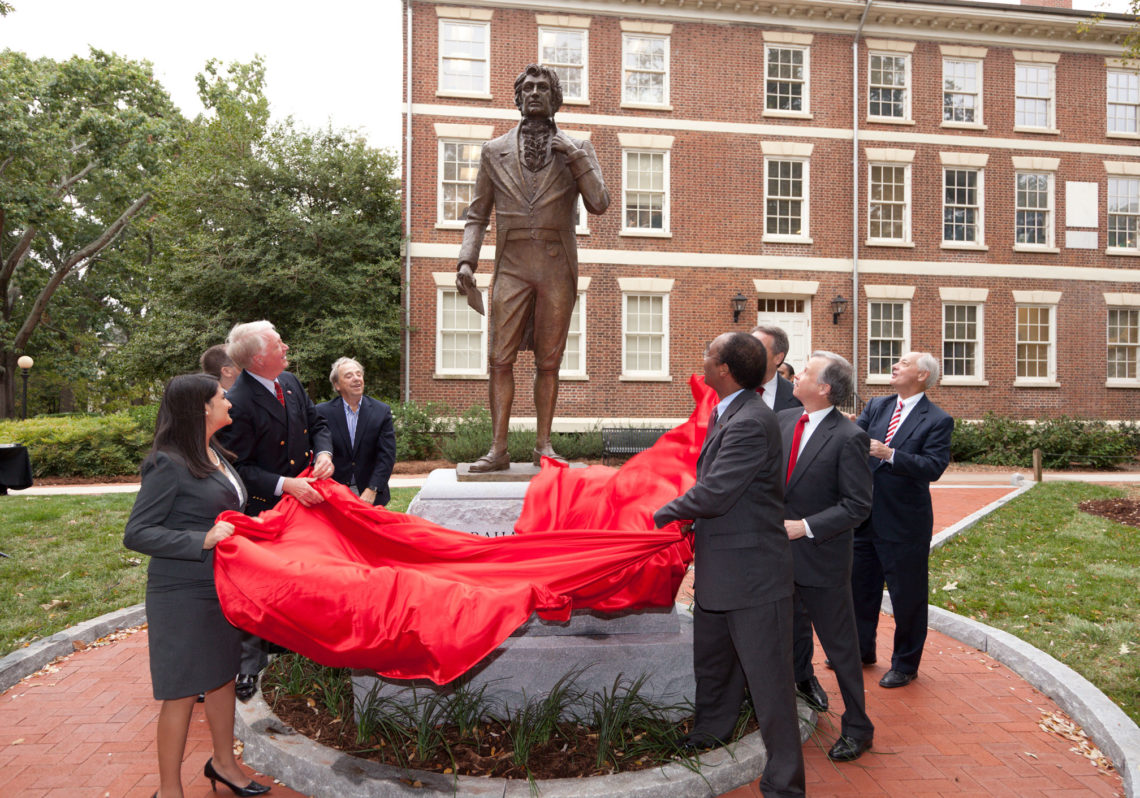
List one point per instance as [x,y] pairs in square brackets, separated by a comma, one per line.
[963,294]
[1036,297]
[655,28]
[785,37]
[975,160]
[1122,300]
[793,288]
[454,12]
[584,284]
[1122,167]
[1036,57]
[786,148]
[447,279]
[890,45]
[1035,163]
[889,291]
[645,285]
[889,155]
[446,130]
[957,51]
[562,21]
[645,141]
[577,134]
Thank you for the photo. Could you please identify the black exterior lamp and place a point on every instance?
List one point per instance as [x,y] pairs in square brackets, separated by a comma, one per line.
[738,303]
[838,305]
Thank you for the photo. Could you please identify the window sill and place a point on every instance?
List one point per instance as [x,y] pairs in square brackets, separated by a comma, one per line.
[778,239]
[1133,384]
[775,114]
[960,381]
[645,378]
[878,379]
[646,106]
[573,377]
[581,232]
[1123,253]
[965,246]
[965,126]
[1117,134]
[1041,131]
[1023,383]
[889,120]
[450,225]
[573,101]
[463,95]
[646,233]
[878,242]
[445,376]
[1033,248]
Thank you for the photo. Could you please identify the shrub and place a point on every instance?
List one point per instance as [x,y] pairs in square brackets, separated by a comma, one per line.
[85,446]
[1064,442]
[472,438]
[418,429]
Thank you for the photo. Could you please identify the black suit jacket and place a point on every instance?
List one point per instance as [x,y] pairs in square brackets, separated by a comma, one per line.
[901,511]
[830,488]
[784,397]
[172,514]
[272,441]
[368,463]
[742,557]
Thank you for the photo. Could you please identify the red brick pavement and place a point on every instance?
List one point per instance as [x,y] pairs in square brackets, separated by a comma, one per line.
[967,726]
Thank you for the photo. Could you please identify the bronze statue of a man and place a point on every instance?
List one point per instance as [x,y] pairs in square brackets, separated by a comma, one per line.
[532,176]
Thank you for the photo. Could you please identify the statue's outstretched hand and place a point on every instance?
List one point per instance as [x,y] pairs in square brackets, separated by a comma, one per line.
[465,279]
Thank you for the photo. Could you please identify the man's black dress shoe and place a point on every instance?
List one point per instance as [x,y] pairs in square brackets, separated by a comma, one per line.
[693,745]
[813,693]
[848,749]
[253,788]
[897,678]
[245,686]
[867,663]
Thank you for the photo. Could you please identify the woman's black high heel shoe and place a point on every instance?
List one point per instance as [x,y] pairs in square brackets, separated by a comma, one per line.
[253,788]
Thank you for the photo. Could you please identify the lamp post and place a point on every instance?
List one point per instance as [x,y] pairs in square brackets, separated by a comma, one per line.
[25,363]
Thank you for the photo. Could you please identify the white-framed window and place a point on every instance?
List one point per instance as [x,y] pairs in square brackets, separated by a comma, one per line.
[962,206]
[574,355]
[786,78]
[888,334]
[962,341]
[464,57]
[962,91]
[644,328]
[888,86]
[458,167]
[1036,345]
[786,199]
[1034,96]
[460,332]
[1124,214]
[566,51]
[645,69]
[1123,94]
[1123,345]
[888,207]
[645,191]
[1033,210]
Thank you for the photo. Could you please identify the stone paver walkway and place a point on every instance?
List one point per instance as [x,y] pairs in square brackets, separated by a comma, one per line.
[967,727]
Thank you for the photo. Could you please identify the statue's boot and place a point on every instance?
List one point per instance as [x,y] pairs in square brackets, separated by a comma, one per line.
[545,396]
[547,451]
[491,461]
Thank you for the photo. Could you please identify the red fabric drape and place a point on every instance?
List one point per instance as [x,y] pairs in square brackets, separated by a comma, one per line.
[351,585]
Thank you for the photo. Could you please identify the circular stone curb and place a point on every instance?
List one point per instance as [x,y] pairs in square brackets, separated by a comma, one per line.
[31,658]
[323,772]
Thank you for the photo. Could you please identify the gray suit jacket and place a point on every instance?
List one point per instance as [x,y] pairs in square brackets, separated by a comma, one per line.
[500,186]
[830,488]
[172,514]
[743,557]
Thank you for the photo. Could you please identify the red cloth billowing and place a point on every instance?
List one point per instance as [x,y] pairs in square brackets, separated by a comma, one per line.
[351,585]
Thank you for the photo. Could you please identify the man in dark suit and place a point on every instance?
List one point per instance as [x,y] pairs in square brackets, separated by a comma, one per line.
[776,391]
[275,430]
[827,494]
[910,448]
[742,616]
[363,435]
[532,176]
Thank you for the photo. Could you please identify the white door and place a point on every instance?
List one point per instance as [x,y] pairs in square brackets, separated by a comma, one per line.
[793,316]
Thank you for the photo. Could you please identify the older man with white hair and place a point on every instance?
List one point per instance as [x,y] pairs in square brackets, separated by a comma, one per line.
[363,435]
[910,448]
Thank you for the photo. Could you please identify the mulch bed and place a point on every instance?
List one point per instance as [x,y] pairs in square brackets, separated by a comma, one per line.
[1123,511]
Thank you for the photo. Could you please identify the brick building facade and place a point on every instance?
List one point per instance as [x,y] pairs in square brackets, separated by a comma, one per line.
[982,201]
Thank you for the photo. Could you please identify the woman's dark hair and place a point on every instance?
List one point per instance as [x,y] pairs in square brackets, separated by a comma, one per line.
[181,424]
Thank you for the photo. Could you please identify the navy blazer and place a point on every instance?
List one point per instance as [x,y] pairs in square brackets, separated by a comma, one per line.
[743,557]
[272,441]
[784,397]
[830,488]
[901,511]
[369,462]
[172,514]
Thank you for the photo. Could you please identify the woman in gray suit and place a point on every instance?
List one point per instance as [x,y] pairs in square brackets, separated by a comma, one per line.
[186,483]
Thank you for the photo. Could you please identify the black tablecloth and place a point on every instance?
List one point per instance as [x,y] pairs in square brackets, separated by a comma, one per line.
[15,468]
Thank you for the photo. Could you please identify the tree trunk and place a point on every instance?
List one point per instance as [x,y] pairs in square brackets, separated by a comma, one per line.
[8,371]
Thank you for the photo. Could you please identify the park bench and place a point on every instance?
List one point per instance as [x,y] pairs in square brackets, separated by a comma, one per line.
[624,442]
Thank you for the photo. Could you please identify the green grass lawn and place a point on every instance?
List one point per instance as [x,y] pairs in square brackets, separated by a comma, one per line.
[1062,580]
[66,562]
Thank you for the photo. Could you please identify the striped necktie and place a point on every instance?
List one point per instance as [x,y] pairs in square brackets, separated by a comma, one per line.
[894,425]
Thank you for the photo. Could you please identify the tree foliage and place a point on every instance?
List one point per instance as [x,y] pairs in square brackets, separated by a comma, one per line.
[274,222]
[82,143]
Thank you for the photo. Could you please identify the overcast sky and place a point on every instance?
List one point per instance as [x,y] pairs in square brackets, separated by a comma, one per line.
[335,61]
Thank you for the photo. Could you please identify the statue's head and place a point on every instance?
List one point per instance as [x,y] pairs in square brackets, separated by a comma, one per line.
[536,74]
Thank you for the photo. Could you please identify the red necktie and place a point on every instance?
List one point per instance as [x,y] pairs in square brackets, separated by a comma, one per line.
[795,453]
[894,425]
[278,391]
